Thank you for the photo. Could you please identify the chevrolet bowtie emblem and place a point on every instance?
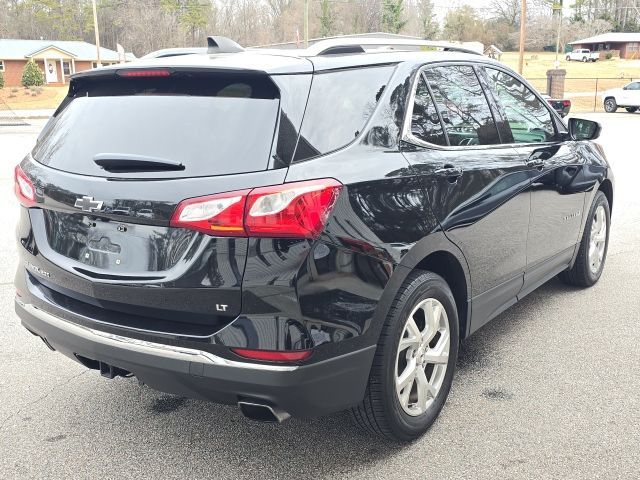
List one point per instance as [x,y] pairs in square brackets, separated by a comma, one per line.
[88,204]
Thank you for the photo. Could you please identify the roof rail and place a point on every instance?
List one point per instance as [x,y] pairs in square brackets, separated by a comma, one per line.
[357,45]
[218,44]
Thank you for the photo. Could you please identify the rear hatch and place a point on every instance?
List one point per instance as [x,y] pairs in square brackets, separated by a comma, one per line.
[110,169]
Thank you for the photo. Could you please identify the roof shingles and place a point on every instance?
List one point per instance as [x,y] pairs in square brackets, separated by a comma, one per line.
[11,49]
[612,37]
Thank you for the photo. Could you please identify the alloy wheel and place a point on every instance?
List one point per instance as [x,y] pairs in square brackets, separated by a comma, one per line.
[422,358]
[609,105]
[598,239]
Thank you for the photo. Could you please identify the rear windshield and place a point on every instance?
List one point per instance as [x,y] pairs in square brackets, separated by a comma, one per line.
[213,125]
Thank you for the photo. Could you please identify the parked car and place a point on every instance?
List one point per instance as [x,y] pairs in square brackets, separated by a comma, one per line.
[326,226]
[627,97]
[563,107]
[583,55]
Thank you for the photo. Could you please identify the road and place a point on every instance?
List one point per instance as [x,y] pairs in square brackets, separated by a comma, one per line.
[550,389]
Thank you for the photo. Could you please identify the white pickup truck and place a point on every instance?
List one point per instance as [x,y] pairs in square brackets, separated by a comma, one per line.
[627,97]
[583,55]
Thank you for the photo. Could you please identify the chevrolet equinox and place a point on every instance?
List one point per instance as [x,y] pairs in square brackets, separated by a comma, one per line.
[301,232]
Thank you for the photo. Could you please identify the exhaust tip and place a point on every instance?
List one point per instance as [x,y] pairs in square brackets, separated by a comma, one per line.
[262,413]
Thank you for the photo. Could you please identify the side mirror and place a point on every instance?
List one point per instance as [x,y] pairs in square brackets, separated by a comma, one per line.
[581,129]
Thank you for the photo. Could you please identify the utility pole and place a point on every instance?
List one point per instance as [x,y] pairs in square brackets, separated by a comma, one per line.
[306,23]
[557,7]
[523,19]
[95,27]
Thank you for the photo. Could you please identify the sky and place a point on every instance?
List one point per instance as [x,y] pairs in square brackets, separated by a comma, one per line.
[443,6]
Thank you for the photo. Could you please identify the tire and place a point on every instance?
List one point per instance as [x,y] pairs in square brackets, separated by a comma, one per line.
[610,105]
[584,59]
[584,273]
[568,58]
[631,109]
[382,412]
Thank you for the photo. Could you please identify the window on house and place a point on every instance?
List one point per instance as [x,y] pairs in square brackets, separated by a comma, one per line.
[1,65]
[66,68]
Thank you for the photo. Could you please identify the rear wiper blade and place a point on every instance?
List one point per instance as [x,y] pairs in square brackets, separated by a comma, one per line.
[125,162]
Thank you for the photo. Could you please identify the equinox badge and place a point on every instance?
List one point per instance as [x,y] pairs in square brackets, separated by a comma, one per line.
[88,204]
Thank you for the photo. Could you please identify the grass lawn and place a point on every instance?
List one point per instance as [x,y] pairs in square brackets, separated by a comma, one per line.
[581,85]
[536,65]
[22,99]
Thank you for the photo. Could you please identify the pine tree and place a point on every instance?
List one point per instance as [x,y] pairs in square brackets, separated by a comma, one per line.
[392,13]
[32,76]
[326,19]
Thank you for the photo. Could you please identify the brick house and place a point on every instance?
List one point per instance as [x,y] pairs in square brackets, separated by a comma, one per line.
[628,44]
[58,59]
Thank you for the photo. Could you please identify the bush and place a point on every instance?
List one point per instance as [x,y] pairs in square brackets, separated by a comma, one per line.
[32,75]
[1,80]
[608,55]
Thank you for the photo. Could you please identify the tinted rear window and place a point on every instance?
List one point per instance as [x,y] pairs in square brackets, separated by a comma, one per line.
[215,125]
[340,103]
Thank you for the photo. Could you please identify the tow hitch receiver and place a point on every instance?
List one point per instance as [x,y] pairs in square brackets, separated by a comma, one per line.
[111,372]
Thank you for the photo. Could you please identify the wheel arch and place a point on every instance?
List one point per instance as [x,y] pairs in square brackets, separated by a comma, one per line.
[606,187]
[438,254]
[447,265]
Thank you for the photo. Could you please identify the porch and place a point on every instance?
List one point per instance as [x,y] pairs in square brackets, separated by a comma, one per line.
[57,64]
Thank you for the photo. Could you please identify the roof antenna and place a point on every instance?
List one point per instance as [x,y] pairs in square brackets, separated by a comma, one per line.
[218,44]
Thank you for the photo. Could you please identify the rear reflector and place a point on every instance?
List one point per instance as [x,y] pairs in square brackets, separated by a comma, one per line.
[24,189]
[273,355]
[291,210]
[158,72]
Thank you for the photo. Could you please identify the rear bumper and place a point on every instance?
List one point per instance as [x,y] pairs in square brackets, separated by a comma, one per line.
[300,390]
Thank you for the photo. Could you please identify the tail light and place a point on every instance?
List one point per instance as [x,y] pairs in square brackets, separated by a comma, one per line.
[566,103]
[221,215]
[292,210]
[144,73]
[24,189]
[273,355]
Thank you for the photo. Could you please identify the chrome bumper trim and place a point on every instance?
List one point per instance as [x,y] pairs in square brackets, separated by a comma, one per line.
[144,347]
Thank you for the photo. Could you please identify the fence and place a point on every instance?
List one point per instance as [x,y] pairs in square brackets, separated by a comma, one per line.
[585,93]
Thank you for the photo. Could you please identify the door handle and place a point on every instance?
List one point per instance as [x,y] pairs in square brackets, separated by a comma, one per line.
[449,171]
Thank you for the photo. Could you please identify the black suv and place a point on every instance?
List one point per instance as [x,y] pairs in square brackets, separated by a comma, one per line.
[301,232]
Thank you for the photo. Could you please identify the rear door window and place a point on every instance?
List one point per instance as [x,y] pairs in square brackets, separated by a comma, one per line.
[340,104]
[464,109]
[425,122]
[211,124]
